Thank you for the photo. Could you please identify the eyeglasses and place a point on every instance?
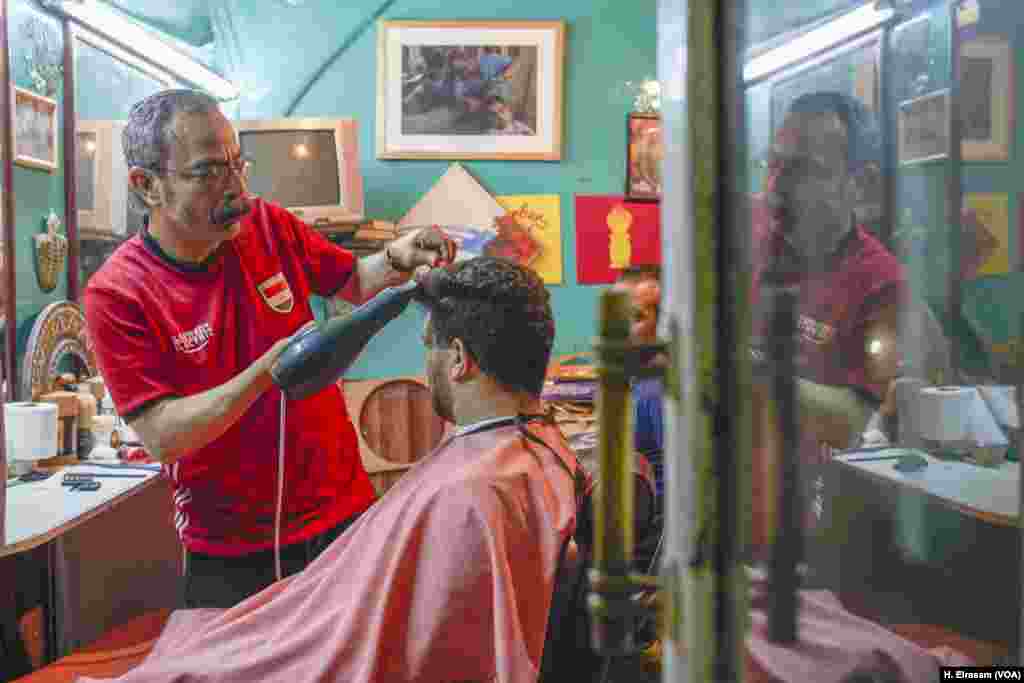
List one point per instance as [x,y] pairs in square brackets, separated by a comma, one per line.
[210,171]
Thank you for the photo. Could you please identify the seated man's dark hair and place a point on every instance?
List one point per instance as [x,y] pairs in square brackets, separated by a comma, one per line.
[863,137]
[502,313]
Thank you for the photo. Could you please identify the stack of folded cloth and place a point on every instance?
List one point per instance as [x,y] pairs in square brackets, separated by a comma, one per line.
[577,392]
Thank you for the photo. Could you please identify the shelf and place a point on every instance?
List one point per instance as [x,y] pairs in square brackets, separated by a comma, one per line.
[100,236]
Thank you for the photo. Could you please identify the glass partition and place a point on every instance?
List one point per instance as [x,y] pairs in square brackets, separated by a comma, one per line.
[892,316]
[107,83]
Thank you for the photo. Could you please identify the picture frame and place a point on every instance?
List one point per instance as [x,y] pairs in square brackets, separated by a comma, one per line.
[987,97]
[470,89]
[922,128]
[35,130]
[644,152]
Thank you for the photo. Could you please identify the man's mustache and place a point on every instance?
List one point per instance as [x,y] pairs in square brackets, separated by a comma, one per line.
[231,209]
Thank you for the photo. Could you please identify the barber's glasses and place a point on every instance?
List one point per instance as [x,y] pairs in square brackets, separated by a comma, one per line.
[214,171]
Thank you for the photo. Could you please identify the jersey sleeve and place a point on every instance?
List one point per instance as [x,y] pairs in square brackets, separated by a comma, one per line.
[327,265]
[130,356]
[858,376]
[648,434]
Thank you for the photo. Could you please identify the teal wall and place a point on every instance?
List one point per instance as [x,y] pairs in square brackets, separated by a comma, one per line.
[35,191]
[607,44]
[273,51]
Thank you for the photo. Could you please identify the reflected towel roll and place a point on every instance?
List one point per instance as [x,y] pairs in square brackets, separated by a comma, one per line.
[943,413]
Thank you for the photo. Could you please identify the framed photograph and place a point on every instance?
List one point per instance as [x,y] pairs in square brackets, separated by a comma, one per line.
[470,89]
[35,130]
[644,153]
[986,98]
[923,128]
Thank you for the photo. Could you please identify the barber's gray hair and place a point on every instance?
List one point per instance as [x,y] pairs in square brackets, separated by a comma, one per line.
[146,139]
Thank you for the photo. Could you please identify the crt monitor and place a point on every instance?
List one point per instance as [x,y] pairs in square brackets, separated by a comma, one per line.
[310,166]
[102,181]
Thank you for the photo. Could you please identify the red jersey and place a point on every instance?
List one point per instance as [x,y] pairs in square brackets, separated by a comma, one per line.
[162,329]
[836,305]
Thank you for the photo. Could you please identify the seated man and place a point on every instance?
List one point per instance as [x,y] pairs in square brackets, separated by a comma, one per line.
[643,284]
[449,576]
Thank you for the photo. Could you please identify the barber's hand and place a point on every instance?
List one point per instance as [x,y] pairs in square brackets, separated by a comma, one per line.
[266,361]
[426,247]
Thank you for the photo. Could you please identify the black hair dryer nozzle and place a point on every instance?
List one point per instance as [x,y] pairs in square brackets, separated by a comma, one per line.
[319,356]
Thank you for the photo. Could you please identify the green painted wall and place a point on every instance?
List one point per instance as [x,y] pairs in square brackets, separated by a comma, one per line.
[35,191]
[608,43]
[273,51]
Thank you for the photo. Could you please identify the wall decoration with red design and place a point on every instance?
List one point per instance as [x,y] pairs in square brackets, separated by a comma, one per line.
[612,234]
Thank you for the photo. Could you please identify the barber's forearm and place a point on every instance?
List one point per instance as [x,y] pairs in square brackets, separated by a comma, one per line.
[835,415]
[176,427]
[373,273]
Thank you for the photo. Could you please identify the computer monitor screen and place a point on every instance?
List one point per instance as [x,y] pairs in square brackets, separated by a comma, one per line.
[304,163]
[308,166]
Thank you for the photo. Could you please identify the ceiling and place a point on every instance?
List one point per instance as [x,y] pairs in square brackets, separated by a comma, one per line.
[189,20]
[769,19]
[186,20]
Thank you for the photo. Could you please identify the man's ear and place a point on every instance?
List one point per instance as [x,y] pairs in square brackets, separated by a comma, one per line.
[144,184]
[463,365]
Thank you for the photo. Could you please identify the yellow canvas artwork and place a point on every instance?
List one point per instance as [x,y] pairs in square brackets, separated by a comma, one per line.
[993,212]
[540,214]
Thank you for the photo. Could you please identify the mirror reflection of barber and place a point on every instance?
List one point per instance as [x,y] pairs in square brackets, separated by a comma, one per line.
[825,162]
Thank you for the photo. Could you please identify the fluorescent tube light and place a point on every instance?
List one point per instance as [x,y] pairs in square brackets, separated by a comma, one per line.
[146,46]
[850,25]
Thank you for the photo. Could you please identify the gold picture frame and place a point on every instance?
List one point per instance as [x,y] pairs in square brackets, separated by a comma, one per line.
[35,130]
[922,128]
[470,89]
[987,96]
[644,153]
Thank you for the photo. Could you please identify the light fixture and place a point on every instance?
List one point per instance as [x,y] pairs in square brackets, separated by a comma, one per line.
[300,150]
[846,27]
[90,146]
[133,38]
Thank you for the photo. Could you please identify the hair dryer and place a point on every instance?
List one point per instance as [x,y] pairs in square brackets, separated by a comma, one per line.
[317,357]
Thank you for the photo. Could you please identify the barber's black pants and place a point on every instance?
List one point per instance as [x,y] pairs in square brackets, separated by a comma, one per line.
[212,581]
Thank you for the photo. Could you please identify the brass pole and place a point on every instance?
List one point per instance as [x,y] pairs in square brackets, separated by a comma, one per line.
[613,542]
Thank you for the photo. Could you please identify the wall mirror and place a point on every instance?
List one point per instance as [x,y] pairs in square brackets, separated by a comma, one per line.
[108,81]
[6,208]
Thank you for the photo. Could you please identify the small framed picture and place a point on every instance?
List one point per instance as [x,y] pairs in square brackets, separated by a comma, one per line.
[35,130]
[923,128]
[987,98]
[470,89]
[644,153]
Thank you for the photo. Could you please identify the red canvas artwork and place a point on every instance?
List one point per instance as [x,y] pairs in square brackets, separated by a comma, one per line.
[612,234]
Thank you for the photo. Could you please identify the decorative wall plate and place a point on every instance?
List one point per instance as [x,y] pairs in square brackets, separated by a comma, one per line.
[58,332]
[395,423]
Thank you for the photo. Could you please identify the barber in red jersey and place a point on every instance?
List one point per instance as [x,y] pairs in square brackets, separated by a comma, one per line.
[186,319]
[825,161]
